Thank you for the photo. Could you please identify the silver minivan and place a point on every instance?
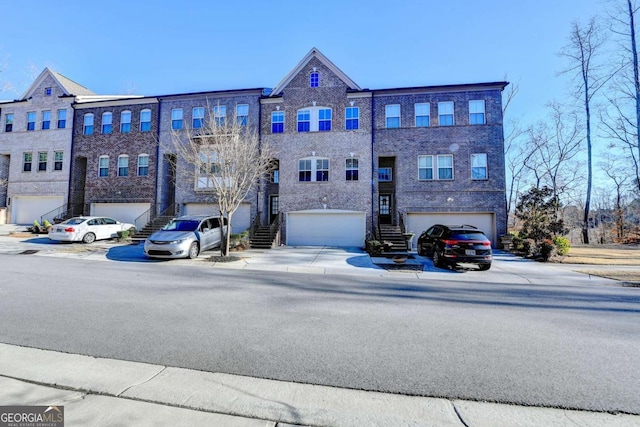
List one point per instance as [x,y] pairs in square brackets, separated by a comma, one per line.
[185,237]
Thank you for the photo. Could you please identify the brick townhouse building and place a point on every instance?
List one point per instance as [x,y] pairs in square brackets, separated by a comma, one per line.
[35,147]
[349,159]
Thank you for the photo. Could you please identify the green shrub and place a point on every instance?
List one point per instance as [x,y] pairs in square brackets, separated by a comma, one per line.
[516,243]
[124,234]
[373,247]
[562,245]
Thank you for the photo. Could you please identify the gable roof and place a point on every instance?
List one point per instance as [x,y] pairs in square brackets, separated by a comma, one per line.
[314,53]
[67,85]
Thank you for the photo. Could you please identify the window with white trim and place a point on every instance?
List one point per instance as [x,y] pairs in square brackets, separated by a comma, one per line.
[8,122]
[479,166]
[384,175]
[145,120]
[425,168]
[103,166]
[46,119]
[42,161]
[125,122]
[107,121]
[31,120]
[352,118]
[220,115]
[87,124]
[422,113]
[242,114]
[143,165]
[313,169]
[27,161]
[314,79]
[445,166]
[197,117]
[445,113]
[476,112]
[58,157]
[176,119]
[123,165]
[277,121]
[392,116]
[314,119]
[351,166]
[62,119]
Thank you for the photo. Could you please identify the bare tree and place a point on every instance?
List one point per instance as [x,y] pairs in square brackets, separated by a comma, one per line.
[615,168]
[224,161]
[583,52]
[622,120]
[513,150]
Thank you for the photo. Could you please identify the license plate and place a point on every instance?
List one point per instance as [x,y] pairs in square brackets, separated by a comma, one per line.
[469,252]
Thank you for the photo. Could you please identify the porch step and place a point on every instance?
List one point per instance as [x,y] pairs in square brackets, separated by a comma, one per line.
[152,227]
[393,235]
[261,238]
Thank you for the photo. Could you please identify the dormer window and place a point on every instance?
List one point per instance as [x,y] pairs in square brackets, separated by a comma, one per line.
[314,79]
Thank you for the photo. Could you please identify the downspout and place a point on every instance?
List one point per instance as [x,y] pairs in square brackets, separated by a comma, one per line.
[373,132]
[155,195]
[71,161]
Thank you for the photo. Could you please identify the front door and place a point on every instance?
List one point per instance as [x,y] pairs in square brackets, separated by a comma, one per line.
[273,208]
[384,208]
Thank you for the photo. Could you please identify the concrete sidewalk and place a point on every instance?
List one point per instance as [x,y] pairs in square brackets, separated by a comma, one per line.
[107,392]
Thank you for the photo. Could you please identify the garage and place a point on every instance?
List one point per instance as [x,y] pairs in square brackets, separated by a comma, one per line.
[326,227]
[26,209]
[420,221]
[240,221]
[123,212]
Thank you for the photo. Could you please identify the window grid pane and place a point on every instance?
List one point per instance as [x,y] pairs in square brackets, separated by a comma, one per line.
[46,120]
[392,116]
[58,156]
[445,167]
[445,113]
[277,122]
[125,122]
[143,165]
[304,120]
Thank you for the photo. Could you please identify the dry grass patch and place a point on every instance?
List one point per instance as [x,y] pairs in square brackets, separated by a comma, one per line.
[603,255]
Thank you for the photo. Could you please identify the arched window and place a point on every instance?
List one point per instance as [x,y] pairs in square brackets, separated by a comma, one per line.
[143,165]
[87,128]
[123,165]
[107,120]
[125,121]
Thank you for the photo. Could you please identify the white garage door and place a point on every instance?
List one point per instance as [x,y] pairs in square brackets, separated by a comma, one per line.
[326,227]
[419,222]
[240,221]
[123,212]
[25,210]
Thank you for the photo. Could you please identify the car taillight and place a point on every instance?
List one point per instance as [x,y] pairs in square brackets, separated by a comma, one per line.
[487,243]
[69,230]
[450,242]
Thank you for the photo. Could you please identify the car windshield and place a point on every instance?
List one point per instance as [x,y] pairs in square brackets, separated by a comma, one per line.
[467,235]
[181,225]
[75,221]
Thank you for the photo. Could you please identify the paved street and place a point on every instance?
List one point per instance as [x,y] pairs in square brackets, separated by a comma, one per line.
[521,333]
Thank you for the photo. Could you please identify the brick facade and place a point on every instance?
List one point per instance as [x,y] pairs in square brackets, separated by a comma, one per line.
[87,186]
[316,86]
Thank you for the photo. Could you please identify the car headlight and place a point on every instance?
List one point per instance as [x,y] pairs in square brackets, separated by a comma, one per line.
[176,242]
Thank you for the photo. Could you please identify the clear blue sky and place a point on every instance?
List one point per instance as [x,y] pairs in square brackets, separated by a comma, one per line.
[161,47]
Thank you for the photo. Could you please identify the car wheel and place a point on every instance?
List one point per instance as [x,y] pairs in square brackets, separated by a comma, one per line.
[194,250]
[89,238]
[484,267]
[437,259]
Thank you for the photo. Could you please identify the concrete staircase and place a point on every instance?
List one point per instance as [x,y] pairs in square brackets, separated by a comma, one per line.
[152,227]
[261,238]
[393,235]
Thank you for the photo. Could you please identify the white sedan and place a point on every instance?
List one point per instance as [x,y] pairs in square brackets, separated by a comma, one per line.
[88,229]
